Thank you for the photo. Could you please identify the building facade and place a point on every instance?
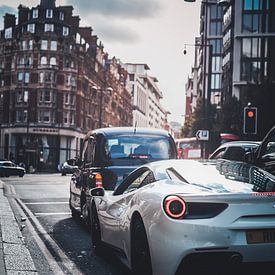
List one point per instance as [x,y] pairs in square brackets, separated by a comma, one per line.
[147,109]
[242,35]
[56,83]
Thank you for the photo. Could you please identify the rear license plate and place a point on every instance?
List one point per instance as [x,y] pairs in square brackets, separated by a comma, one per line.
[260,236]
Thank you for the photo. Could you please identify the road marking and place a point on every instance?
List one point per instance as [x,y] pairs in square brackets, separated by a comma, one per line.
[47,202]
[51,214]
[37,231]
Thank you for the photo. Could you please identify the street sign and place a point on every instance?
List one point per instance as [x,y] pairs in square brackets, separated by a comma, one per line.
[202,135]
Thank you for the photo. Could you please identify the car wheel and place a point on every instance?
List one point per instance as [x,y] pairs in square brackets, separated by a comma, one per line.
[75,214]
[21,175]
[140,254]
[95,231]
[85,215]
[63,174]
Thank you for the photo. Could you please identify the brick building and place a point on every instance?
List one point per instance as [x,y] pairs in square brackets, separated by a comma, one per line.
[56,83]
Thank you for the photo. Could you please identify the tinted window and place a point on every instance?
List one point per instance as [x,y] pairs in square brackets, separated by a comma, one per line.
[139,147]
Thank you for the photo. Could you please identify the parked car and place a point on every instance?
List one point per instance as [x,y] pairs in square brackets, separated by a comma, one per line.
[9,168]
[168,216]
[67,169]
[114,153]
[234,150]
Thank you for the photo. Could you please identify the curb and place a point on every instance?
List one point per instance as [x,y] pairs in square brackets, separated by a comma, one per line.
[15,257]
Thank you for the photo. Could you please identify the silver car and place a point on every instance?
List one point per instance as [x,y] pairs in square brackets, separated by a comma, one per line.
[168,216]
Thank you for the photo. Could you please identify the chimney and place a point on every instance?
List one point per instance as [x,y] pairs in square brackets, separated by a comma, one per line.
[9,20]
[47,3]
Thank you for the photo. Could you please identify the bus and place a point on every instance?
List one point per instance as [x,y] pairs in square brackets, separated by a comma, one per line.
[191,148]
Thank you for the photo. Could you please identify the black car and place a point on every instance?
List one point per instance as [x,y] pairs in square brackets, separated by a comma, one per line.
[67,169]
[9,168]
[234,150]
[264,156]
[114,153]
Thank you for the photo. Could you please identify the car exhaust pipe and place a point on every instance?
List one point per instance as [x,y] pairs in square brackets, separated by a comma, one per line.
[235,259]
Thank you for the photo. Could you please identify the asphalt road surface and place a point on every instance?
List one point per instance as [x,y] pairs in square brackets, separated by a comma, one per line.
[57,242]
[60,244]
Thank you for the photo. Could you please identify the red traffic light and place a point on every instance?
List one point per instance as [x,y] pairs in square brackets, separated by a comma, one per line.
[250,120]
[250,114]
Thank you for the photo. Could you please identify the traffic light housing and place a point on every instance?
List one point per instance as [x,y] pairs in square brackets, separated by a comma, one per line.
[250,120]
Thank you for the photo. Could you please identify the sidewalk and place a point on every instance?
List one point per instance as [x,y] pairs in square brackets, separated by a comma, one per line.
[15,258]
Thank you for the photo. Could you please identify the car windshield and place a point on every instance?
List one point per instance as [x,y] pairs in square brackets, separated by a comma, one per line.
[141,147]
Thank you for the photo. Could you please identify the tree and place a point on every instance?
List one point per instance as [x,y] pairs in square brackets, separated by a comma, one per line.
[231,116]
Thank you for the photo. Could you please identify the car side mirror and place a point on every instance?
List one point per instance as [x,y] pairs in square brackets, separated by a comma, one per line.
[98,192]
[249,157]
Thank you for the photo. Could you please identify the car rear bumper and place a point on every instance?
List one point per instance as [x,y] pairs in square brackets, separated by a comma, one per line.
[170,252]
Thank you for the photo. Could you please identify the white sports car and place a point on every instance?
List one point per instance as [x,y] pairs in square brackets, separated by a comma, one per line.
[166,217]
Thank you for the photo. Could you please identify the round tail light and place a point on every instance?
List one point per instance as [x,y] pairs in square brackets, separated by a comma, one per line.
[175,207]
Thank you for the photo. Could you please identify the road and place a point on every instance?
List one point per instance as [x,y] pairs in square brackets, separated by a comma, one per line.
[58,243]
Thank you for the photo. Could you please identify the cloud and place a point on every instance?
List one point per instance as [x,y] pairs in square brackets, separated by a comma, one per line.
[111,32]
[134,9]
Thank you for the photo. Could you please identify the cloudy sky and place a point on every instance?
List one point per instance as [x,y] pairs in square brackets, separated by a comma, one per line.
[141,31]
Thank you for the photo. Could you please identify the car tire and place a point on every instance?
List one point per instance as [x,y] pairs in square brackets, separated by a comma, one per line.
[63,174]
[95,231]
[85,211]
[140,253]
[75,214]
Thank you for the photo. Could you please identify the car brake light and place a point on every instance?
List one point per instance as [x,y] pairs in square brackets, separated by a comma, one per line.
[175,207]
[98,181]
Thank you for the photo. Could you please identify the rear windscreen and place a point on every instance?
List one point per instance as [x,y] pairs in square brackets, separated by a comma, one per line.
[140,146]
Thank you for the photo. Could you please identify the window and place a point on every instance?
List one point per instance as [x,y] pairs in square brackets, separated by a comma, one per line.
[73,81]
[216,64]
[44,44]
[19,97]
[53,61]
[31,28]
[43,60]
[252,23]
[66,118]
[44,116]
[72,100]
[20,76]
[66,98]
[137,182]
[24,45]
[8,33]
[215,28]
[61,16]
[216,81]
[65,31]
[27,77]
[35,13]
[216,46]
[49,27]
[53,45]
[21,116]
[41,77]
[256,5]
[47,96]
[72,118]
[89,150]
[49,13]
[30,44]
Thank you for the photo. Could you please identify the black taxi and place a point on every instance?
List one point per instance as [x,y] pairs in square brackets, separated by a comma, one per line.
[111,154]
